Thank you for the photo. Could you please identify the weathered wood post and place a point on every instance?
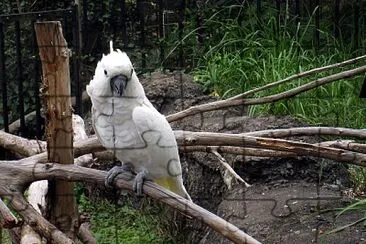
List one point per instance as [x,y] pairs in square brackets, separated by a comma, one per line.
[54,56]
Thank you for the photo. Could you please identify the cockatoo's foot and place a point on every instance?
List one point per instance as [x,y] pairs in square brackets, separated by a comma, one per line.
[139,182]
[116,170]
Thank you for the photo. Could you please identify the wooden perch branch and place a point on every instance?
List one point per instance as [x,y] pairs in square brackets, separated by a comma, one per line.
[299,75]
[268,99]
[188,138]
[31,170]
[309,131]
[256,152]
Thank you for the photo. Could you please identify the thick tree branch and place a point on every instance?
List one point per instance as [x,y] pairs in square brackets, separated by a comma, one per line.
[268,99]
[188,138]
[31,170]
[20,145]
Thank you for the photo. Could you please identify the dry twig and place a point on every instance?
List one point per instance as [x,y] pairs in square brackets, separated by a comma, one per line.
[228,168]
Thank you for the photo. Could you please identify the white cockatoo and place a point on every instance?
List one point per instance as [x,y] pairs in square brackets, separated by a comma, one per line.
[127,124]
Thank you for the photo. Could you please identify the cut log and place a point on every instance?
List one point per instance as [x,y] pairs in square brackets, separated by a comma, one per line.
[54,56]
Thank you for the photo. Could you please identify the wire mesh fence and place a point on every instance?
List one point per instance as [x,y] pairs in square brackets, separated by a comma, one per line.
[167,35]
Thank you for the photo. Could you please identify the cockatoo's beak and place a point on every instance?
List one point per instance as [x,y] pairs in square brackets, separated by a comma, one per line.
[118,84]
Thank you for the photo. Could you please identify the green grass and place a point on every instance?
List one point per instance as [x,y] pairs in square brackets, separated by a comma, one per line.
[239,56]
[4,237]
[125,224]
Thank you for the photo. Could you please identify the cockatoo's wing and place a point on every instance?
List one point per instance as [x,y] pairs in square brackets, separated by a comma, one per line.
[156,132]
[152,126]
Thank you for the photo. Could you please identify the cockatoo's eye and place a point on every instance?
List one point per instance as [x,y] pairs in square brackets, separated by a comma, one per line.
[105,72]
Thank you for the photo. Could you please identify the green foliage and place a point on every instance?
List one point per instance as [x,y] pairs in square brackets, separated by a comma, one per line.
[125,224]
[358,175]
[4,236]
[241,55]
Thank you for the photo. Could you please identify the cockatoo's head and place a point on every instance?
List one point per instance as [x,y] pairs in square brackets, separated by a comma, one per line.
[112,74]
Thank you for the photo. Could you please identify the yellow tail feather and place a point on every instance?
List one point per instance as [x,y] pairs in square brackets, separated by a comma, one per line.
[172,185]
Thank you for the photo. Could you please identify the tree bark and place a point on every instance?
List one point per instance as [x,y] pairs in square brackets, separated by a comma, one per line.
[59,133]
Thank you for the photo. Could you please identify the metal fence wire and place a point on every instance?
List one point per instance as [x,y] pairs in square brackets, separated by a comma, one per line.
[155,34]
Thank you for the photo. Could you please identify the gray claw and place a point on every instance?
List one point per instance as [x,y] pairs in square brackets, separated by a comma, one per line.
[139,181]
[112,174]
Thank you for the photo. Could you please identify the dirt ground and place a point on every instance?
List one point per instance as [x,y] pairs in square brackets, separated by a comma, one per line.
[290,200]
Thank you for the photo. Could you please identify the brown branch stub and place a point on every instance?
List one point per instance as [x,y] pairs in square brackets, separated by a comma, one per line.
[85,235]
[229,171]
[54,55]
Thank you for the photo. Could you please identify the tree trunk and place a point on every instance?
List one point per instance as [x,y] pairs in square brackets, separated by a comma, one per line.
[56,93]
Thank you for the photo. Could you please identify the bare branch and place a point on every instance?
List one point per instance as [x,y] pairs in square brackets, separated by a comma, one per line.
[347,145]
[299,75]
[310,131]
[20,145]
[268,99]
[228,168]
[188,138]
[256,152]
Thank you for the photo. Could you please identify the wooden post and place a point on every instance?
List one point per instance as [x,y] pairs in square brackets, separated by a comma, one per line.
[54,55]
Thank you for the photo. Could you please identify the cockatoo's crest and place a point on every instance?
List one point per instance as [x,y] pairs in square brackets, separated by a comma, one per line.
[111,46]
[115,64]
